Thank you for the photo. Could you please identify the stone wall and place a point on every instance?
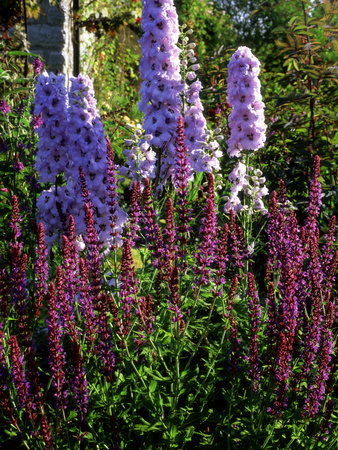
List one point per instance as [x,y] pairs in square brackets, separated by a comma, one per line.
[51,36]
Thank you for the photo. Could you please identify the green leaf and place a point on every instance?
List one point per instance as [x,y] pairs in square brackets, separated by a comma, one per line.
[19,53]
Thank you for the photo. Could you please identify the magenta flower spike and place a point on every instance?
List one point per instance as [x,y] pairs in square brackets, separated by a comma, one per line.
[254,321]
[18,375]
[182,191]
[135,214]
[128,290]
[41,270]
[57,358]
[206,249]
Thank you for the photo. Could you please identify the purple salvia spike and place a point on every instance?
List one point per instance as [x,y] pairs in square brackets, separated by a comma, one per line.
[314,203]
[236,242]
[221,260]
[86,305]
[327,250]
[152,231]
[66,308]
[93,257]
[206,249]
[41,271]
[174,297]
[235,355]
[79,382]
[274,228]
[170,248]
[182,191]
[145,311]
[5,290]
[128,289]
[326,423]
[271,330]
[105,339]
[316,390]
[5,398]
[254,321]
[135,213]
[19,380]
[46,434]
[57,358]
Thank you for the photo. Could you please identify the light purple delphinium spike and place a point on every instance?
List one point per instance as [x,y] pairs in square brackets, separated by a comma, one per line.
[246,122]
[88,147]
[160,69]
[116,215]
[51,102]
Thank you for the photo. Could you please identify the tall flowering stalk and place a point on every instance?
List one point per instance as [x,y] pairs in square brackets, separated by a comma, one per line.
[246,122]
[254,321]
[160,69]
[206,249]
[128,290]
[41,270]
[51,103]
[57,358]
[182,191]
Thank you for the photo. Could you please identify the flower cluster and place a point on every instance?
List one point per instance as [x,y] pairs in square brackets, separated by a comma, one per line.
[246,122]
[160,69]
[4,107]
[141,159]
[51,105]
[254,189]
[72,137]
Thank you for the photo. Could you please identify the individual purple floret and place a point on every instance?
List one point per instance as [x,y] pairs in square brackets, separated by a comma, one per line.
[37,66]
[160,69]
[4,107]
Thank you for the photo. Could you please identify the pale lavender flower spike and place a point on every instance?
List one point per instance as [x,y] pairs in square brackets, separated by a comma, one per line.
[246,119]
[160,69]
[246,122]
[51,102]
